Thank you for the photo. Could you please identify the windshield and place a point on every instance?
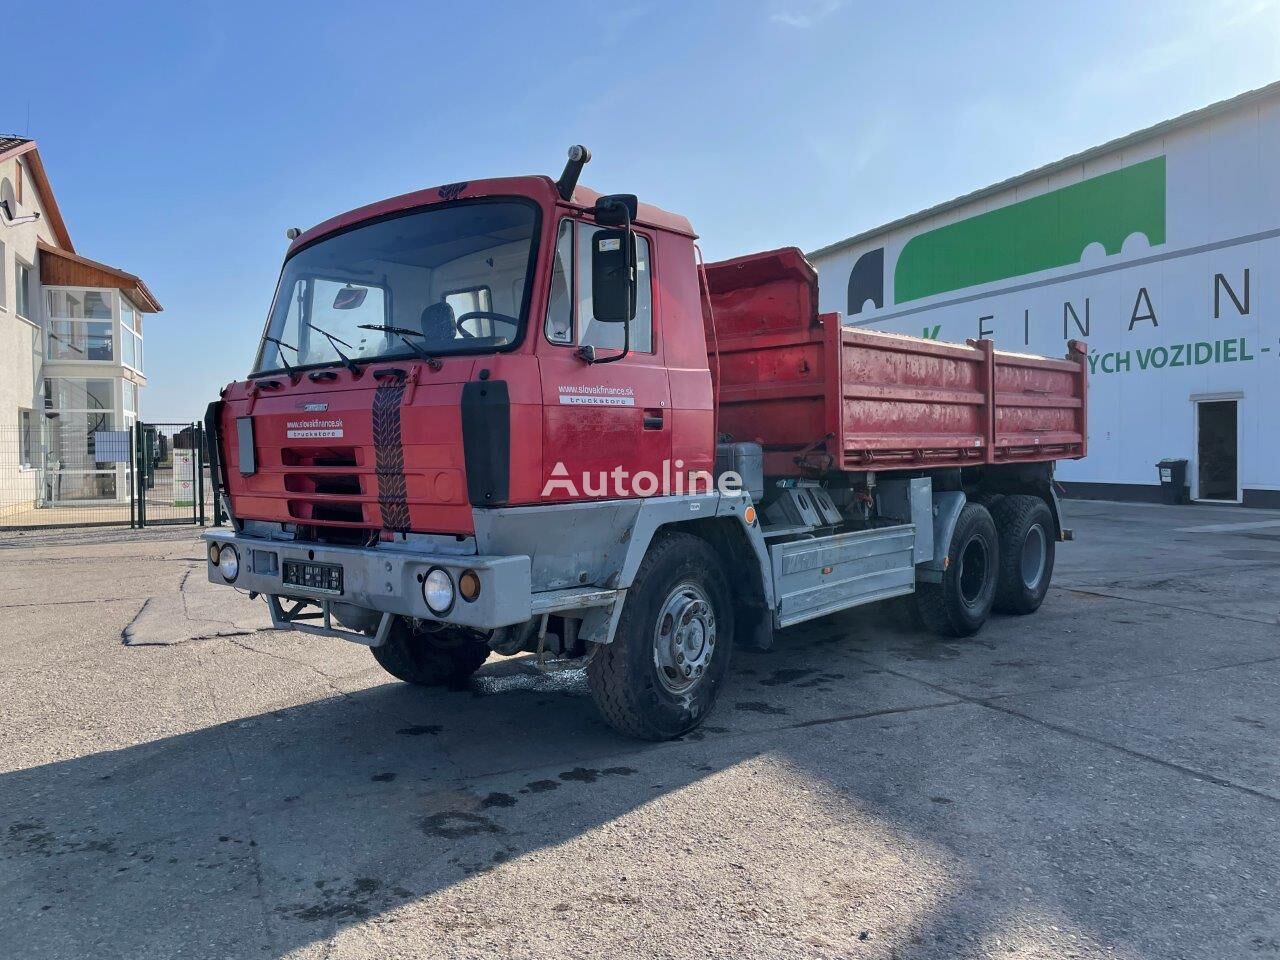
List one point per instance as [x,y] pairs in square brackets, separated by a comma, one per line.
[440,281]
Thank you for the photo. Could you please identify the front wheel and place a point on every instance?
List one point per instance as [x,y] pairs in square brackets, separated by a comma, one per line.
[445,658]
[661,674]
[1027,544]
[961,603]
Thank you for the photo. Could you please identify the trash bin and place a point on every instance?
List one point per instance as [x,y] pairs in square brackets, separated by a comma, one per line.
[1173,481]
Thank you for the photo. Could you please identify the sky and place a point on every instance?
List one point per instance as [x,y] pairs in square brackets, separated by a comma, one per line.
[183,139]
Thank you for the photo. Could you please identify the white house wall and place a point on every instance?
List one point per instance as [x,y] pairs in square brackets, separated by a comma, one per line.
[21,343]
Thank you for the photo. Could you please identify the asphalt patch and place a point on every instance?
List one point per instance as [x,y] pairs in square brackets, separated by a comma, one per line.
[591,775]
[456,824]
[755,706]
[427,729]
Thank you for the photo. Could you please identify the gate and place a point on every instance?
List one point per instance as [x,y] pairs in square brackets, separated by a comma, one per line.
[169,474]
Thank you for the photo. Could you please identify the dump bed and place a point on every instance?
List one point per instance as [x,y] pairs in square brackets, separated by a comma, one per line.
[820,396]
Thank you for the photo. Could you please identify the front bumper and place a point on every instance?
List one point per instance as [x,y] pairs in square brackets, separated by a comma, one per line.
[383,579]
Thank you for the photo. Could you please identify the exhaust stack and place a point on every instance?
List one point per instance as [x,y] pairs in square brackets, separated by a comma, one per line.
[579,157]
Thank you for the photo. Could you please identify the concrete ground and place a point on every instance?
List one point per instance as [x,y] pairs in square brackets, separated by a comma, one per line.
[1099,780]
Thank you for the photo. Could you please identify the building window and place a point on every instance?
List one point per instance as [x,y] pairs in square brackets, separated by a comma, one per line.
[76,411]
[130,335]
[69,394]
[28,437]
[80,325]
[22,293]
[130,397]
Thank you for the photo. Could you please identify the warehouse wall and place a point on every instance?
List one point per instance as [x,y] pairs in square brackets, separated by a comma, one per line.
[1164,257]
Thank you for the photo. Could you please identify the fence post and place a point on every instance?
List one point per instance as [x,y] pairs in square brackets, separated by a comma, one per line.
[133,477]
[198,434]
[141,472]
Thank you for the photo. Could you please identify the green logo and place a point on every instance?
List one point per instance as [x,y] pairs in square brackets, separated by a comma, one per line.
[1051,230]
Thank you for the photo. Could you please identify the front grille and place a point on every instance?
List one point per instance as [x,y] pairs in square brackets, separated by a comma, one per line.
[327,484]
[320,457]
[339,484]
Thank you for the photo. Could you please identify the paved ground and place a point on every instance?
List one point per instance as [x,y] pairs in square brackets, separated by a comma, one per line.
[1102,779]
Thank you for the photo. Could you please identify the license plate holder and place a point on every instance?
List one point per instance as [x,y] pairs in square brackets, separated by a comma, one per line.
[317,577]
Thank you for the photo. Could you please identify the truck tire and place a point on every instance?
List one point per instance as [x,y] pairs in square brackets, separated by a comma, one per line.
[661,674]
[444,659]
[1025,527]
[961,603]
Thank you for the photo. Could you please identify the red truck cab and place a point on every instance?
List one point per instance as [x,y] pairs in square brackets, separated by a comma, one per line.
[483,291]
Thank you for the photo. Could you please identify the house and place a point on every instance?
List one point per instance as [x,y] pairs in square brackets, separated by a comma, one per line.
[71,350]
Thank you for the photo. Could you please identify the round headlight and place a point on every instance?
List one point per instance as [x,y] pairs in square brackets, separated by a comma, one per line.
[437,590]
[229,562]
[213,553]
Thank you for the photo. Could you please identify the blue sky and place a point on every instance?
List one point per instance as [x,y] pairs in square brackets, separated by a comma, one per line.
[183,139]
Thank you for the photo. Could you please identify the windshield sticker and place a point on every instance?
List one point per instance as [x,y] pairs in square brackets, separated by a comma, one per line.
[591,396]
[313,429]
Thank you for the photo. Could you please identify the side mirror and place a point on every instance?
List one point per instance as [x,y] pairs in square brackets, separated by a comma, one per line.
[616,209]
[613,275]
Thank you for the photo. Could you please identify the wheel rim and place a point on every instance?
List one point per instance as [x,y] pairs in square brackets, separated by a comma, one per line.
[1035,554]
[684,638]
[973,570]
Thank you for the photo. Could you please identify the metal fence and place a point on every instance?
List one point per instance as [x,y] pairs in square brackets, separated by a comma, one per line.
[77,471]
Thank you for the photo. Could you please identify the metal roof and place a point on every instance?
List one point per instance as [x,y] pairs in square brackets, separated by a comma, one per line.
[1140,136]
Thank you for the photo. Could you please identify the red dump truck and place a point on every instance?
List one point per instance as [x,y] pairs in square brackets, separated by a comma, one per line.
[514,415]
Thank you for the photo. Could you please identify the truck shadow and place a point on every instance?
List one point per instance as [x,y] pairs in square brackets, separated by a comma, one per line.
[263,835]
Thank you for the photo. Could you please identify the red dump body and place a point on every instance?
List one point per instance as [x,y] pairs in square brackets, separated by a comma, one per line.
[817,395]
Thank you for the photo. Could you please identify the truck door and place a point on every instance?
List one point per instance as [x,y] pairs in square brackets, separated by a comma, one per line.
[599,417]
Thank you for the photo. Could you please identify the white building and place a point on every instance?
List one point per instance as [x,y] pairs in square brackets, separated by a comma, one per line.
[71,349]
[1161,250]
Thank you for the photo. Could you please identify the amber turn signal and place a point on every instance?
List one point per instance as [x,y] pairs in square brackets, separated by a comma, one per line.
[469,585]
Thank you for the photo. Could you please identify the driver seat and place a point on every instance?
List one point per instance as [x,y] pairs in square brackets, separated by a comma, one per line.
[438,323]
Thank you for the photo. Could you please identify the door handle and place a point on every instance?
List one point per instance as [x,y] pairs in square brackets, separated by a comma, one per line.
[653,418]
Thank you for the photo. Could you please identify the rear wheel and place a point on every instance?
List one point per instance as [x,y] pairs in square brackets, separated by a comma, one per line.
[961,603]
[1025,526]
[662,673]
[445,658]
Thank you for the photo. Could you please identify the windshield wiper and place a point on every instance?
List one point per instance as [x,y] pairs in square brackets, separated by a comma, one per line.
[333,342]
[288,368]
[403,333]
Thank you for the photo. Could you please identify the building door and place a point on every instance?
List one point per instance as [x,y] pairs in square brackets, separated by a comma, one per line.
[1217,476]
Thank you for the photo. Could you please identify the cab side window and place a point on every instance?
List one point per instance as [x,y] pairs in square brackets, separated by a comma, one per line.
[561,326]
[560,305]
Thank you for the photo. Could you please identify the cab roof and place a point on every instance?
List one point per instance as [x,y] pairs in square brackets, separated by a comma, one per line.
[540,188]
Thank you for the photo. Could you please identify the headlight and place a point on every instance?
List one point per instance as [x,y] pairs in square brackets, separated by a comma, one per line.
[213,553]
[437,590]
[228,562]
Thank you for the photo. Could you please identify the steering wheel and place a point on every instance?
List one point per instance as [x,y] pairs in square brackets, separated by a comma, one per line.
[483,315]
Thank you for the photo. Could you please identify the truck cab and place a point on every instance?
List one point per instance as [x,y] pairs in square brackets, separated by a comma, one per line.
[483,417]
